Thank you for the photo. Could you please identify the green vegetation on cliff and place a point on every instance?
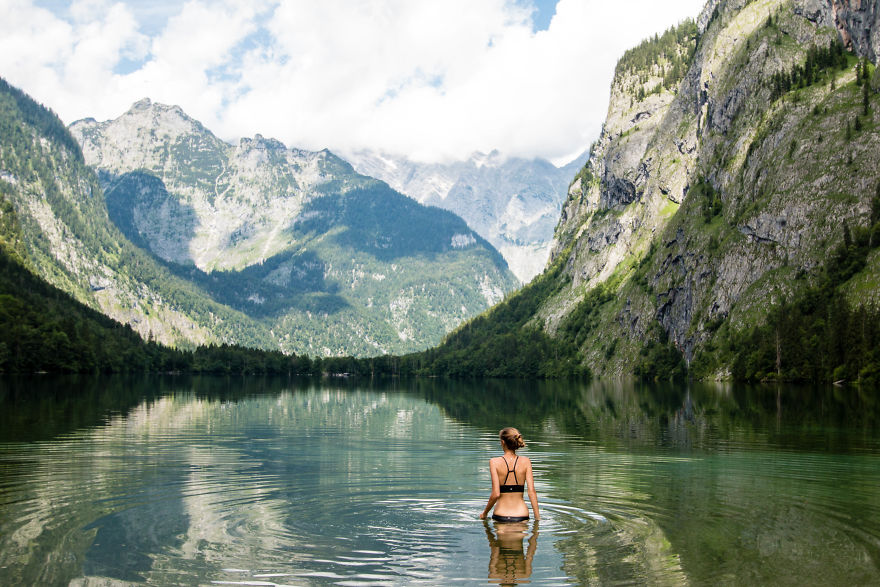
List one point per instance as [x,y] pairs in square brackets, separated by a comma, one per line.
[665,56]
[816,335]
[43,329]
[821,65]
[706,228]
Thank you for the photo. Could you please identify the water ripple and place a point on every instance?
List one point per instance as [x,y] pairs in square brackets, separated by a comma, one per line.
[370,488]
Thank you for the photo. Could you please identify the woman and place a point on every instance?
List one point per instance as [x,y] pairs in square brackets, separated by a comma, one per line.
[509,473]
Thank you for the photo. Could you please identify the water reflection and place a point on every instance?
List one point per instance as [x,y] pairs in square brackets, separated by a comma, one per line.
[199,480]
[712,415]
[509,562]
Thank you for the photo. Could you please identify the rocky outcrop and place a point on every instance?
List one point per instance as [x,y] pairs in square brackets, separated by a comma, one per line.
[855,20]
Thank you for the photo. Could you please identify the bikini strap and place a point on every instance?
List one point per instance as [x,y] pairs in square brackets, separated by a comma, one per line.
[509,470]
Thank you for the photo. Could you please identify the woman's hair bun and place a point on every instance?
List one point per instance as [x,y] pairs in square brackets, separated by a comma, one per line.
[512,438]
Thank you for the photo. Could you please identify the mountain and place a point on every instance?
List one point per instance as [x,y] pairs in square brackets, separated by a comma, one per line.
[63,235]
[198,242]
[513,203]
[727,219]
[45,330]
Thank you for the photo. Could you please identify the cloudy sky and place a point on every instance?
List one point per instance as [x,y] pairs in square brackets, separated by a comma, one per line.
[430,79]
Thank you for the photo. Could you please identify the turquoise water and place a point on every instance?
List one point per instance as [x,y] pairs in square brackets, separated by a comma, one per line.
[306,482]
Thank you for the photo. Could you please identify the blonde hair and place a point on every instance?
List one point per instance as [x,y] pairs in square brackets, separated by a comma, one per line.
[511,438]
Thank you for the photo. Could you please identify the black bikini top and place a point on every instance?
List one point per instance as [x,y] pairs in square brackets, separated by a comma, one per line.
[505,488]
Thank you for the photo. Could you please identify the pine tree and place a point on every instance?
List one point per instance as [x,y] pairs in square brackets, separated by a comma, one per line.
[858,124]
[866,91]
[848,134]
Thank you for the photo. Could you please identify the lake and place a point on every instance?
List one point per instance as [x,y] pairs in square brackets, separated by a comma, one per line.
[253,481]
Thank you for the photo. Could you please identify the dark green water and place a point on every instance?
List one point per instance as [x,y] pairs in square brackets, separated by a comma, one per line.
[263,482]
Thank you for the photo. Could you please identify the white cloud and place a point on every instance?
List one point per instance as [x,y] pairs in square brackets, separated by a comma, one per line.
[423,78]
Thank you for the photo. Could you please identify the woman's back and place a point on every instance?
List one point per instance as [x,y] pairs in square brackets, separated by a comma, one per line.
[511,473]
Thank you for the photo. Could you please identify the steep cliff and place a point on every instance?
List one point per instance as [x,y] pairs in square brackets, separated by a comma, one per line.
[728,218]
[706,200]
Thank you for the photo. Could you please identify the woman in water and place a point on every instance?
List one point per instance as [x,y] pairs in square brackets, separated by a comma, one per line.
[509,473]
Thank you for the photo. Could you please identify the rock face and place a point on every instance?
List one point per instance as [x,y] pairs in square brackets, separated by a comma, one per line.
[701,202]
[194,199]
[513,203]
[193,240]
[855,20]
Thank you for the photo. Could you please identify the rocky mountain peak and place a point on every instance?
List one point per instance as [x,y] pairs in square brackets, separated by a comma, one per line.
[514,203]
[142,104]
[261,143]
[170,120]
[140,137]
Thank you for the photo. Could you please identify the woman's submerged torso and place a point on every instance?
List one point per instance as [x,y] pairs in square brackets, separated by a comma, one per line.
[511,472]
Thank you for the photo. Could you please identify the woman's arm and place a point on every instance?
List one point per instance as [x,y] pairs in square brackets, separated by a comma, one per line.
[496,491]
[533,495]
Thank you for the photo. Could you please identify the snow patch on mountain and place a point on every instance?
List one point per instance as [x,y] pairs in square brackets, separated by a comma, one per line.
[513,203]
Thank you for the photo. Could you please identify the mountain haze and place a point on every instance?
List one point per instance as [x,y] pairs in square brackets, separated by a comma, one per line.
[513,203]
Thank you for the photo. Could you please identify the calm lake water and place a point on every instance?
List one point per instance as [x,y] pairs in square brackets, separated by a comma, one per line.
[254,481]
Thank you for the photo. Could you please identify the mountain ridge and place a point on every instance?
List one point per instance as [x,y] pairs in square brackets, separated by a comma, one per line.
[290,289]
[513,203]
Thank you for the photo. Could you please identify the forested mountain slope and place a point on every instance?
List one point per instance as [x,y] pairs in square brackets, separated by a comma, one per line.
[64,235]
[201,242]
[727,217]
[45,330]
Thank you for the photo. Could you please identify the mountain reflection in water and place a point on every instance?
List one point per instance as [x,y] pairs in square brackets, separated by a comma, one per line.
[196,480]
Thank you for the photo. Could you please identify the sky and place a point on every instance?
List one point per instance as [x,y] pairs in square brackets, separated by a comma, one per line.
[432,80]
